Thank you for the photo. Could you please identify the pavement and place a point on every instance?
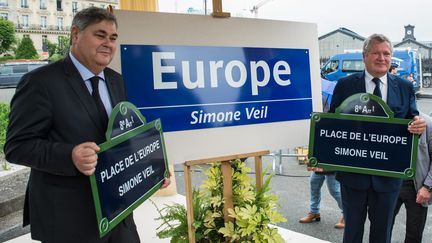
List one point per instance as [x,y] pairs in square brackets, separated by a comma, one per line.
[291,185]
[146,227]
[425,93]
[13,185]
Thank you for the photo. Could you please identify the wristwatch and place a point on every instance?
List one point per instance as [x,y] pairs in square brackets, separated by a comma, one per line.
[429,188]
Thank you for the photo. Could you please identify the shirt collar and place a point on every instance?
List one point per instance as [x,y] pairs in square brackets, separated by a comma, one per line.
[369,77]
[85,73]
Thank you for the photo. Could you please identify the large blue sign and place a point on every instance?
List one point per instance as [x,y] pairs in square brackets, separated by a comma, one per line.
[195,87]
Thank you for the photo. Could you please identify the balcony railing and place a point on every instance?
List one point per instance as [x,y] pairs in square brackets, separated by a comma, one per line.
[42,28]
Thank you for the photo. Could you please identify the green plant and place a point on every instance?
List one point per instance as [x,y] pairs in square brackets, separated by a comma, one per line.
[26,49]
[55,57]
[6,58]
[174,222]
[7,35]
[63,45]
[4,121]
[253,211]
[52,48]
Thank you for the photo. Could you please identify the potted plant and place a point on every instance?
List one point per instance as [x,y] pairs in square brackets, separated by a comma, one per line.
[253,211]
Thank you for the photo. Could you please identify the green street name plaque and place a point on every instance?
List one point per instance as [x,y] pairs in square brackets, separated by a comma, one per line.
[363,136]
[131,166]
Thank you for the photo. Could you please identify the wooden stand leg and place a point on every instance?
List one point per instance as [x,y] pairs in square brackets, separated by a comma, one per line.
[189,202]
[227,188]
[258,172]
[227,183]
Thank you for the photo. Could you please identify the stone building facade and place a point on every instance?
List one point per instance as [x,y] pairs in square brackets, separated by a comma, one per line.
[342,39]
[338,41]
[44,20]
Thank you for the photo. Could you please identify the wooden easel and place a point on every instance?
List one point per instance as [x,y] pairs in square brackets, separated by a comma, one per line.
[227,183]
[217,10]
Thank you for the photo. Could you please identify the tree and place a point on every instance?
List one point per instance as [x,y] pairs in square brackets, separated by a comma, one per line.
[26,49]
[63,46]
[7,35]
[52,48]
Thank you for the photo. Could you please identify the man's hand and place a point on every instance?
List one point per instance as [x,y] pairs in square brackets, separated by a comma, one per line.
[423,196]
[84,157]
[417,126]
[167,181]
[314,169]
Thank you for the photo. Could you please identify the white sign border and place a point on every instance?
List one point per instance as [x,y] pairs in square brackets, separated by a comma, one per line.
[150,28]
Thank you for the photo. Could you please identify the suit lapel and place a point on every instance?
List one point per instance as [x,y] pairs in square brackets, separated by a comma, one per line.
[112,90]
[77,84]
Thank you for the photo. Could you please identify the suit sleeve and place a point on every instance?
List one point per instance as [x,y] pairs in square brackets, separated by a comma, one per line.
[428,179]
[337,97]
[30,123]
[413,103]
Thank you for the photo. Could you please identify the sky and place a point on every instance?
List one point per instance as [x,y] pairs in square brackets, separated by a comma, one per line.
[364,17]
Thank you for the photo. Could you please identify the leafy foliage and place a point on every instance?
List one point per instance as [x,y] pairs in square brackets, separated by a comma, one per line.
[63,46]
[60,50]
[26,49]
[4,121]
[55,57]
[52,48]
[253,211]
[174,221]
[7,35]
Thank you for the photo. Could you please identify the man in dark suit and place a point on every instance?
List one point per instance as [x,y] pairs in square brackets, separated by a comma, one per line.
[58,116]
[374,196]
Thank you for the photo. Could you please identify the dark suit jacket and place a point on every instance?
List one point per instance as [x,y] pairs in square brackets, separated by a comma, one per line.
[51,112]
[400,99]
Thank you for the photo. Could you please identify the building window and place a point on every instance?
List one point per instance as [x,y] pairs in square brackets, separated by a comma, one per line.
[43,4]
[25,19]
[24,4]
[43,22]
[59,23]
[44,43]
[74,7]
[4,16]
[3,3]
[59,5]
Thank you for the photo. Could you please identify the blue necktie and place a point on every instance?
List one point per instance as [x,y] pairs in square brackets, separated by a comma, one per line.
[377,90]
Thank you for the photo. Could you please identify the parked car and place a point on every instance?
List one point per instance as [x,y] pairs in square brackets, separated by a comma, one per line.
[11,73]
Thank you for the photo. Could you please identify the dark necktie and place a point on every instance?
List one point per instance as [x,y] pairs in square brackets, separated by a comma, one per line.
[377,90]
[98,101]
